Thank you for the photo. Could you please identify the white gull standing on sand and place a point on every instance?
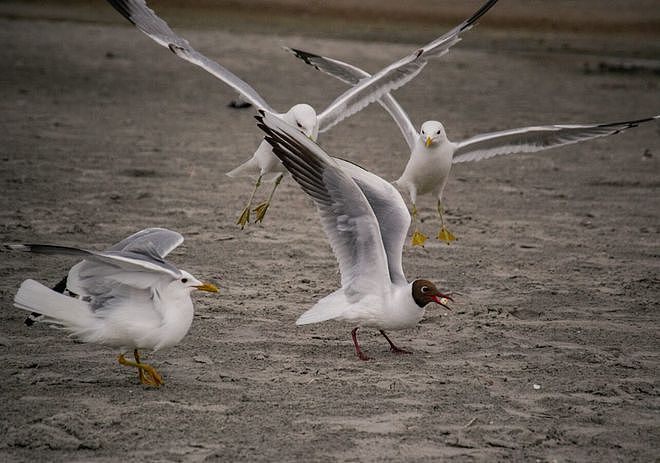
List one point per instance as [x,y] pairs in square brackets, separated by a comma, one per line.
[366,221]
[432,153]
[128,297]
[303,116]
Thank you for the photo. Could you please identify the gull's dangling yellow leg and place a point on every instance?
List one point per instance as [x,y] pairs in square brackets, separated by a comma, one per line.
[244,218]
[148,374]
[444,234]
[418,238]
[263,207]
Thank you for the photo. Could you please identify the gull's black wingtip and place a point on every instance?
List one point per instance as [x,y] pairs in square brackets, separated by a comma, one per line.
[479,13]
[236,104]
[125,9]
[34,317]
[269,134]
[632,123]
[260,116]
[272,141]
[261,125]
[303,55]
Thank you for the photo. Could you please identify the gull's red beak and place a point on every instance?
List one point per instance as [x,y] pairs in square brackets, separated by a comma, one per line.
[442,299]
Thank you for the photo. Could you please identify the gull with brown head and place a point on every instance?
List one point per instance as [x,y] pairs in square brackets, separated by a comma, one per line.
[366,222]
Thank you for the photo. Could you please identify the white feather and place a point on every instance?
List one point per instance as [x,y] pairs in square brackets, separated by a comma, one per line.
[73,314]
[330,307]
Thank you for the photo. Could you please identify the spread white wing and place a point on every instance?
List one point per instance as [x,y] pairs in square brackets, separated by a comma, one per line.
[390,211]
[531,139]
[352,75]
[137,12]
[125,260]
[106,275]
[347,218]
[395,75]
[159,240]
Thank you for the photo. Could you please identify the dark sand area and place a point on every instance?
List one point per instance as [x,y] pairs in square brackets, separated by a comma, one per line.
[556,270]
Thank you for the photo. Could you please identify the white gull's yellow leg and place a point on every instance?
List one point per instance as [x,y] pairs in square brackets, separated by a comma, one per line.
[418,238]
[263,207]
[444,234]
[244,218]
[147,374]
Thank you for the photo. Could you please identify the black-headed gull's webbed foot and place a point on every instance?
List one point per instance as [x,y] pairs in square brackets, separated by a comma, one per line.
[393,347]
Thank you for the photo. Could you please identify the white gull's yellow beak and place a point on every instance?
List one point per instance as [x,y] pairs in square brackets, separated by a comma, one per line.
[428,141]
[208,287]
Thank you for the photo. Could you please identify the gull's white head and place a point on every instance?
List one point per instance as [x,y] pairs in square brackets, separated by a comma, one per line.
[188,283]
[304,118]
[432,133]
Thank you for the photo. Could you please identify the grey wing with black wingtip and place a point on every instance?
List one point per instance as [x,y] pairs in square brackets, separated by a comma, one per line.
[146,260]
[390,211]
[395,75]
[538,138]
[346,216]
[352,75]
[145,19]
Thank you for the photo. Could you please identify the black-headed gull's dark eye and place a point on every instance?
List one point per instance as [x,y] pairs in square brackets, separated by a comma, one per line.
[425,289]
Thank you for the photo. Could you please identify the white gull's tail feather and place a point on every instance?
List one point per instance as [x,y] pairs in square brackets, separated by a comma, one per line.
[330,307]
[67,311]
[246,169]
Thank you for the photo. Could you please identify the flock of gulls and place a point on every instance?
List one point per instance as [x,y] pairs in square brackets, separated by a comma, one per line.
[130,298]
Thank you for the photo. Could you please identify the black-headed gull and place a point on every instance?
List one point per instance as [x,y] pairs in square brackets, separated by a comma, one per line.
[303,116]
[432,153]
[366,221]
[128,297]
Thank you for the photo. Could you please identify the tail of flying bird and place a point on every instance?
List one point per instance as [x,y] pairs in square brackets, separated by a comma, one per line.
[246,169]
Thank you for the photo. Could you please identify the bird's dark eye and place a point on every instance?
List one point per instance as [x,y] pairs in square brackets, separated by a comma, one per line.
[299,125]
[425,289]
[438,132]
[423,133]
[184,280]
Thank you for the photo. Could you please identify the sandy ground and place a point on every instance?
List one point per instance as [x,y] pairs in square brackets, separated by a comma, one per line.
[555,270]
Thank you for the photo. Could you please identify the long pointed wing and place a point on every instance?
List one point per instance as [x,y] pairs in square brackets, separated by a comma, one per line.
[390,211]
[531,139]
[123,260]
[353,75]
[347,218]
[158,240]
[395,75]
[137,12]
